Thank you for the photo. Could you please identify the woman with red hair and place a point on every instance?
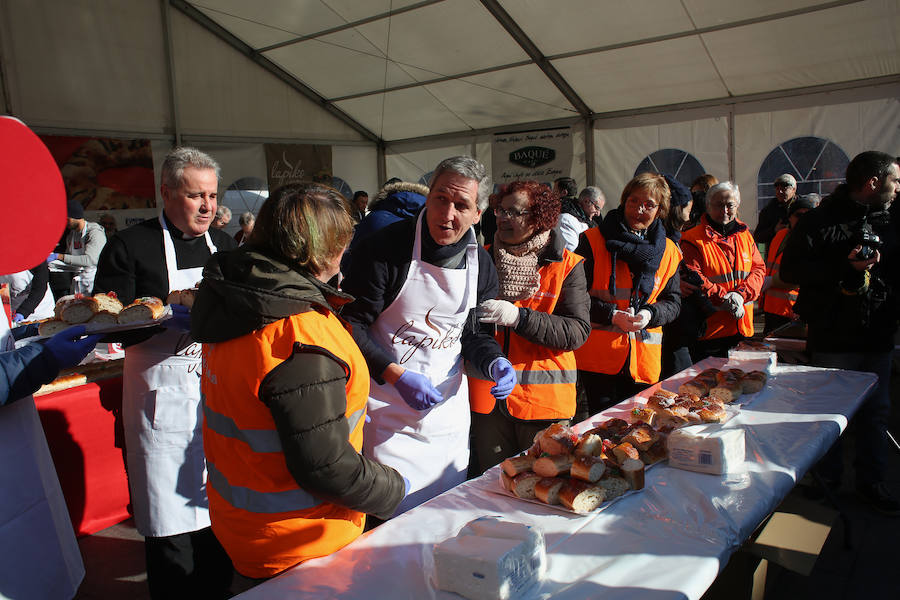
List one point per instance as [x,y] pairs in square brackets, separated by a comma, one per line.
[539,318]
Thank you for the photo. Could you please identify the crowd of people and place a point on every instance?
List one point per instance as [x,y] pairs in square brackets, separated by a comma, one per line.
[333,385]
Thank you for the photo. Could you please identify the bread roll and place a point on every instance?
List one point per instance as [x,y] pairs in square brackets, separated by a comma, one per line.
[580,496]
[641,437]
[669,419]
[547,489]
[182,297]
[658,402]
[104,317]
[633,473]
[522,485]
[506,481]
[643,415]
[142,310]
[727,391]
[76,309]
[713,413]
[590,444]
[730,374]
[588,468]
[753,382]
[552,466]
[558,439]
[108,302]
[694,386]
[517,464]
[624,451]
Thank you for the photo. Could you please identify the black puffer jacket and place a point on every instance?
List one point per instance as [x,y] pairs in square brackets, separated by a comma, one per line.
[846,311]
[244,290]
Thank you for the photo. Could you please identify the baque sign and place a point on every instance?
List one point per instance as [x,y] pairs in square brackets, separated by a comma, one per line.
[532,156]
[542,155]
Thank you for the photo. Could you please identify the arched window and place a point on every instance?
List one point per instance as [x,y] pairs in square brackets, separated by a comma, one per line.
[246,194]
[816,163]
[341,186]
[683,166]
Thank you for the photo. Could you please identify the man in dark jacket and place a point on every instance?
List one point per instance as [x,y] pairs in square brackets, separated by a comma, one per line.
[774,216]
[848,296]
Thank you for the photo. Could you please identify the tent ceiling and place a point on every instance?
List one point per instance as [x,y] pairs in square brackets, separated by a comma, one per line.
[405,68]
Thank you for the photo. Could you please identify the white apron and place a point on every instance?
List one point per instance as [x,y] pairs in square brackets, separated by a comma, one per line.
[20,287]
[422,328]
[163,424]
[39,556]
[83,281]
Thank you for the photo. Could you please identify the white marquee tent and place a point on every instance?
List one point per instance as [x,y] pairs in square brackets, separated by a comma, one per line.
[741,88]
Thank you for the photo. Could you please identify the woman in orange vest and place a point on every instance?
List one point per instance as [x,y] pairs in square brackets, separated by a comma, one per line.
[779,298]
[540,316]
[721,250]
[632,277]
[285,390]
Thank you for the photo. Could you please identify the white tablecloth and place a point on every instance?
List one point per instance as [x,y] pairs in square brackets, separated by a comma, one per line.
[668,541]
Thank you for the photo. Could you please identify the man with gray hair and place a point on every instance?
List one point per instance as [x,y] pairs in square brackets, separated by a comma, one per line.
[577,217]
[416,284]
[161,380]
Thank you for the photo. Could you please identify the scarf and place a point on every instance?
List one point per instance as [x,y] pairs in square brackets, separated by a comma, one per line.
[643,255]
[517,266]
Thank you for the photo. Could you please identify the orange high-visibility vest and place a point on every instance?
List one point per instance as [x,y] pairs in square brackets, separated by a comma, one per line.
[778,301]
[546,376]
[608,347]
[719,271]
[263,518]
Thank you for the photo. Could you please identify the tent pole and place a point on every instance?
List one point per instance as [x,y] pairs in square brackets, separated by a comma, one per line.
[589,151]
[731,158]
[170,61]
[381,161]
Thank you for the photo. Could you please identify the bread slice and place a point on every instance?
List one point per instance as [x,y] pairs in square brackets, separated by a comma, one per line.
[588,468]
[517,464]
[641,437]
[52,327]
[108,302]
[633,473]
[590,444]
[142,310]
[753,382]
[522,485]
[76,309]
[614,487]
[624,451]
[580,496]
[552,466]
[547,489]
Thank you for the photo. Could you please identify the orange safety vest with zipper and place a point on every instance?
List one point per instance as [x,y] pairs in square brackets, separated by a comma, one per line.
[778,301]
[608,347]
[263,518]
[546,376]
[729,276]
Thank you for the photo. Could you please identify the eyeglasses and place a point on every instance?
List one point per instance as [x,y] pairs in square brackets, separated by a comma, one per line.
[647,205]
[510,213]
[729,206]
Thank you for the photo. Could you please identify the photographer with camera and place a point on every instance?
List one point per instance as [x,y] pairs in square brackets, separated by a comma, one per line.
[843,256]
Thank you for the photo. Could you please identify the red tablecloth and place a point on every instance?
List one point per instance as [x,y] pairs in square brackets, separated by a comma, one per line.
[80,425]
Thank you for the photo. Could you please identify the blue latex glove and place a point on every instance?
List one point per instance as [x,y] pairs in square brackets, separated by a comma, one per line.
[406,488]
[18,318]
[51,257]
[181,318]
[69,348]
[417,391]
[504,376]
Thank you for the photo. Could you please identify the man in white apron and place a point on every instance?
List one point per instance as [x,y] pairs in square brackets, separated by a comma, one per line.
[416,283]
[161,382]
[84,242]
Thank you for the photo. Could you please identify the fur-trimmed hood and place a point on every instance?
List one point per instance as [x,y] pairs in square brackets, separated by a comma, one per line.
[402,188]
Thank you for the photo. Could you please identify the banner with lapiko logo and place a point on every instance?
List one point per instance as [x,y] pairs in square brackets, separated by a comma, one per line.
[542,155]
[293,163]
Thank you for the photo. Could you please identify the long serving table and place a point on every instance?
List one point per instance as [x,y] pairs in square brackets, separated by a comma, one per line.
[667,542]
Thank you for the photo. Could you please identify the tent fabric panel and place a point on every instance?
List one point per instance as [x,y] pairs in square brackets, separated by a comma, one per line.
[854,127]
[89,64]
[402,114]
[557,28]
[655,74]
[856,41]
[357,165]
[410,162]
[619,151]
[221,92]
[709,13]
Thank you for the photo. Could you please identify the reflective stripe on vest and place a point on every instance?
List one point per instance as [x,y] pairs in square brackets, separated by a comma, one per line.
[728,276]
[608,347]
[546,376]
[259,502]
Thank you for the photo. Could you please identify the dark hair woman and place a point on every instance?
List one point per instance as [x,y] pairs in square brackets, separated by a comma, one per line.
[632,277]
[285,390]
[540,317]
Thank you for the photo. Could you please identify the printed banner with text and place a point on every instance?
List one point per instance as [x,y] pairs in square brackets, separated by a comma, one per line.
[292,163]
[543,155]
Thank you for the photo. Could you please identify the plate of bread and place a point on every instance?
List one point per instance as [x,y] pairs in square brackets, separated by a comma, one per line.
[583,473]
[104,313]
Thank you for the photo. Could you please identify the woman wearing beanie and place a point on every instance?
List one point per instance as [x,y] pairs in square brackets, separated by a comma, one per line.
[632,277]
[539,318]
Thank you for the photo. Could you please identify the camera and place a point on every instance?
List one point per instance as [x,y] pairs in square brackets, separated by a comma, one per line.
[868,241]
